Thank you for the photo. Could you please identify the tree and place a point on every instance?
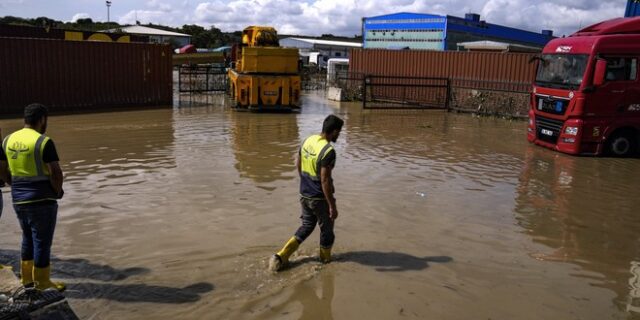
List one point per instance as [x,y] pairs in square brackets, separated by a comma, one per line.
[84,21]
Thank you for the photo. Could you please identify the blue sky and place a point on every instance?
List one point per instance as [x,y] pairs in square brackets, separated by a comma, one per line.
[315,17]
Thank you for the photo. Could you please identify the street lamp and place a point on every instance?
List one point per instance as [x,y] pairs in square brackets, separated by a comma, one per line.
[108,6]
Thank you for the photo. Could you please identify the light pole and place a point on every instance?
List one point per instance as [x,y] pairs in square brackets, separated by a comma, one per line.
[108,6]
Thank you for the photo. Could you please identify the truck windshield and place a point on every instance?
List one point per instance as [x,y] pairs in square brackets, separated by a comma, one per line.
[561,70]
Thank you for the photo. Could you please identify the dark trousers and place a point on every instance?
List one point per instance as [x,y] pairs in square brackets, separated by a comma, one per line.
[38,222]
[316,212]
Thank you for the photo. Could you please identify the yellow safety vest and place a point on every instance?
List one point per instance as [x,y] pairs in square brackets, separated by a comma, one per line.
[314,149]
[29,175]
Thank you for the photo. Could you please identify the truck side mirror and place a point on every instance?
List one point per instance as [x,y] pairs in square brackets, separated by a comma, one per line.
[599,74]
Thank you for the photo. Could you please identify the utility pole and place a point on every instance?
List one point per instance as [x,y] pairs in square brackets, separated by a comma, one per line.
[108,6]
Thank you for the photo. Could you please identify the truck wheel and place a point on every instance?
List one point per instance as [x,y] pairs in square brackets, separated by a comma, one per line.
[622,145]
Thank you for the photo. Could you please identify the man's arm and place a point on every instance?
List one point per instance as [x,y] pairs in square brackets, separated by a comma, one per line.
[50,158]
[4,172]
[56,177]
[327,188]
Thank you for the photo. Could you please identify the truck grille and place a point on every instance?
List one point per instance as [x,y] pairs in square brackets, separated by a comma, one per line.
[548,125]
[552,105]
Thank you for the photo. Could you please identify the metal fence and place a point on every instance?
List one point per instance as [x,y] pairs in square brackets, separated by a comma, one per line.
[480,70]
[199,78]
[476,80]
[78,75]
[389,92]
[313,79]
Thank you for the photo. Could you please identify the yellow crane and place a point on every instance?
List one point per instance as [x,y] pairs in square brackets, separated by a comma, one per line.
[264,76]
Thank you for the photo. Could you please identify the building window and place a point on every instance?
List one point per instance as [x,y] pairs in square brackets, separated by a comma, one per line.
[423,20]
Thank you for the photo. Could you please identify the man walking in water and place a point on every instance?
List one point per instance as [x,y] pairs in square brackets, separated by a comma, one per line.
[36,182]
[315,163]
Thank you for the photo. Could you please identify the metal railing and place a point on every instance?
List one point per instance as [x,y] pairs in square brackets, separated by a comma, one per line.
[199,78]
[396,92]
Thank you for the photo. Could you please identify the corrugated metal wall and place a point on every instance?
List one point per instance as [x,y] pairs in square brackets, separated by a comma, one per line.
[481,70]
[82,75]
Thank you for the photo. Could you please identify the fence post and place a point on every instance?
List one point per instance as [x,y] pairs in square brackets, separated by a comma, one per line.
[179,79]
[364,92]
[448,98]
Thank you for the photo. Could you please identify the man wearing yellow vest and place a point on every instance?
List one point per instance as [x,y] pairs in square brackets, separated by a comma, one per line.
[29,163]
[315,163]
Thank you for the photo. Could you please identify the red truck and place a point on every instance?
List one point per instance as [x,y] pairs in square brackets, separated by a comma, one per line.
[586,96]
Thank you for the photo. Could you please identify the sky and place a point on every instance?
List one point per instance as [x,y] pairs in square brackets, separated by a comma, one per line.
[316,17]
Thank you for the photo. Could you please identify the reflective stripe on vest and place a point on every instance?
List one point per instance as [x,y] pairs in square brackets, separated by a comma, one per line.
[24,149]
[313,150]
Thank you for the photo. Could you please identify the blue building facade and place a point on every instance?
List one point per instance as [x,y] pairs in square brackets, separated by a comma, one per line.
[435,32]
[633,8]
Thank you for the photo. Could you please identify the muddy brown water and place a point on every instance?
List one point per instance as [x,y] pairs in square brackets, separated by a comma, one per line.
[173,213]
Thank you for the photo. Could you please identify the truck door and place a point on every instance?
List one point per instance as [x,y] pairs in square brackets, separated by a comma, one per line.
[632,95]
[613,94]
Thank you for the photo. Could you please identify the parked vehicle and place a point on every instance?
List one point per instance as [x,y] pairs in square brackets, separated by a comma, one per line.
[586,95]
[264,75]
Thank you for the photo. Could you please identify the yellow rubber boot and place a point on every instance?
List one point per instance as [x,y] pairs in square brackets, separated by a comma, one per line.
[42,278]
[325,255]
[26,272]
[280,259]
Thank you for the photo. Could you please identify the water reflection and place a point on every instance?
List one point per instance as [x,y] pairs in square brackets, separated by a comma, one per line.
[264,145]
[633,303]
[115,147]
[314,305]
[583,210]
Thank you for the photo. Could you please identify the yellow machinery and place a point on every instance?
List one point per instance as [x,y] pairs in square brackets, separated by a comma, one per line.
[265,76]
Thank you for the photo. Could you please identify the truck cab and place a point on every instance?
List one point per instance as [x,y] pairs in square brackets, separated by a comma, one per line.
[586,95]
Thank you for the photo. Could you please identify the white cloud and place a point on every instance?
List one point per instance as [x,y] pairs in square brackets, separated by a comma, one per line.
[159,5]
[315,17]
[148,16]
[9,3]
[81,15]
[562,16]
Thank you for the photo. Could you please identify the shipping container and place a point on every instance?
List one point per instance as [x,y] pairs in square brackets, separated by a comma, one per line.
[496,71]
[83,75]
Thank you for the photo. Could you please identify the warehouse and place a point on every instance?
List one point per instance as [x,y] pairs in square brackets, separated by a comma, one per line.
[155,35]
[434,32]
[319,51]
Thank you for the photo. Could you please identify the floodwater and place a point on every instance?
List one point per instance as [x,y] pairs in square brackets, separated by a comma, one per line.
[173,213]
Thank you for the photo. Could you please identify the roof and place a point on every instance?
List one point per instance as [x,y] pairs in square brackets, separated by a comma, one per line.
[613,26]
[405,15]
[497,46]
[326,42]
[137,29]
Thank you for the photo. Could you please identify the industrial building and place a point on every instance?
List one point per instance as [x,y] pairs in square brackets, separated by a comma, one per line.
[155,35]
[633,8]
[434,32]
[319,51]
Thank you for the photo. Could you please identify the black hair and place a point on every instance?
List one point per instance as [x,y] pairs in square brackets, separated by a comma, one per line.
[34,113]
[331,123]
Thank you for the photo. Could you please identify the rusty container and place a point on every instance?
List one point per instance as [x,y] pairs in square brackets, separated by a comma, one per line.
[83,75]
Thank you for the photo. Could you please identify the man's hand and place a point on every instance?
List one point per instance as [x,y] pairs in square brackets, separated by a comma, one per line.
[333,212]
